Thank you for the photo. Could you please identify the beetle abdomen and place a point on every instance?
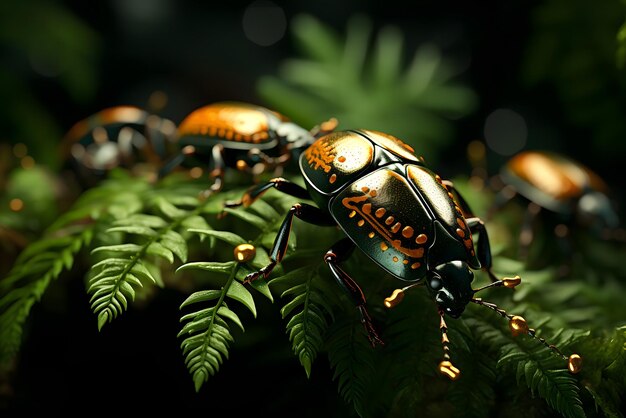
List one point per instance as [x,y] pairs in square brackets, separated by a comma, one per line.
[550,180]
[231,121]
[382,214]
[444,208]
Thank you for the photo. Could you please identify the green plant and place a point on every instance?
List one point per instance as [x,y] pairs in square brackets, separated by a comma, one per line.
[373,87]
[127,236]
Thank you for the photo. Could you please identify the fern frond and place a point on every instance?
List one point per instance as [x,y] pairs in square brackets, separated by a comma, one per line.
[413,350]
[308,310]
[47,258]
[353,360]
[534,364]
[473,395]
[605,370]
[115,278]
[29,279]
[207,331]
[341,77]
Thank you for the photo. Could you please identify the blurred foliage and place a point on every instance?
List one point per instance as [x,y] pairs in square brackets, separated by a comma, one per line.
[572,49]
[55,45]
[370,84]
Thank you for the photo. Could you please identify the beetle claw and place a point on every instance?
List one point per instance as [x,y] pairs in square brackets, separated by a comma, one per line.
[252,277]
[263,273]
[372,335]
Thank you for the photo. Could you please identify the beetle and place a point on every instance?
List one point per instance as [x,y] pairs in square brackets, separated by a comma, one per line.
[116,136]
[555,183]
[241,135]
[413,224]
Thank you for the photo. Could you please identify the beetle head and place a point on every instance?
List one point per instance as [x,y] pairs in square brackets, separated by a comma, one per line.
[294,136]
[450,284]
[595,211]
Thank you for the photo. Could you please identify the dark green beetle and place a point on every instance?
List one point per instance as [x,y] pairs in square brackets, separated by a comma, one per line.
[400,213]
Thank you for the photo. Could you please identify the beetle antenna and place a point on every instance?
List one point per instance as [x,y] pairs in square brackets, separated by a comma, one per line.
[509,282]
[518,325]
[398,295]
[446,367]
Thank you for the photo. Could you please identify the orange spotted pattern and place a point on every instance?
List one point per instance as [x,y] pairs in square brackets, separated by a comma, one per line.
[384,224]
[235,122]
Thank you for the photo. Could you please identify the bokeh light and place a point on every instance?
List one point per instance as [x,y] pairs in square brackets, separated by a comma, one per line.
[264,22]
[505,132]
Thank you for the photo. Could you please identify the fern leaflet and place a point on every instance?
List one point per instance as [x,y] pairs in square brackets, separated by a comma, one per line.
[308,310]
[207,332]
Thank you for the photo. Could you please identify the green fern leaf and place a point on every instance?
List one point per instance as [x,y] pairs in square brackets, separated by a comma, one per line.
[114,280]
[28,280]
[225,236]
[248,217]
[307,326]
[535,365]
[206,331]
[341,78]
[353,360]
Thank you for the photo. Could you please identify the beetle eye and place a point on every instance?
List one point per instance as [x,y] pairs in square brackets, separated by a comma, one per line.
[435,283]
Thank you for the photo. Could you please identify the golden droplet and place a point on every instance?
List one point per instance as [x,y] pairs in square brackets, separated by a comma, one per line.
[575,363]
[395,298]
[518,325]
[244,252]
[511,282]
[447,368]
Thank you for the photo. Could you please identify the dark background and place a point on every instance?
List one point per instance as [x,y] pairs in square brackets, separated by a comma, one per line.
[551,62]
[197,52]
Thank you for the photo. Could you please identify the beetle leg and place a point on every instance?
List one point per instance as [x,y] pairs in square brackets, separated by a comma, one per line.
[477,226]
[270,161]
[217,174]
[339,252]
[502,197]
[307,213]
[279,183]
[526,233]
[176,160]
